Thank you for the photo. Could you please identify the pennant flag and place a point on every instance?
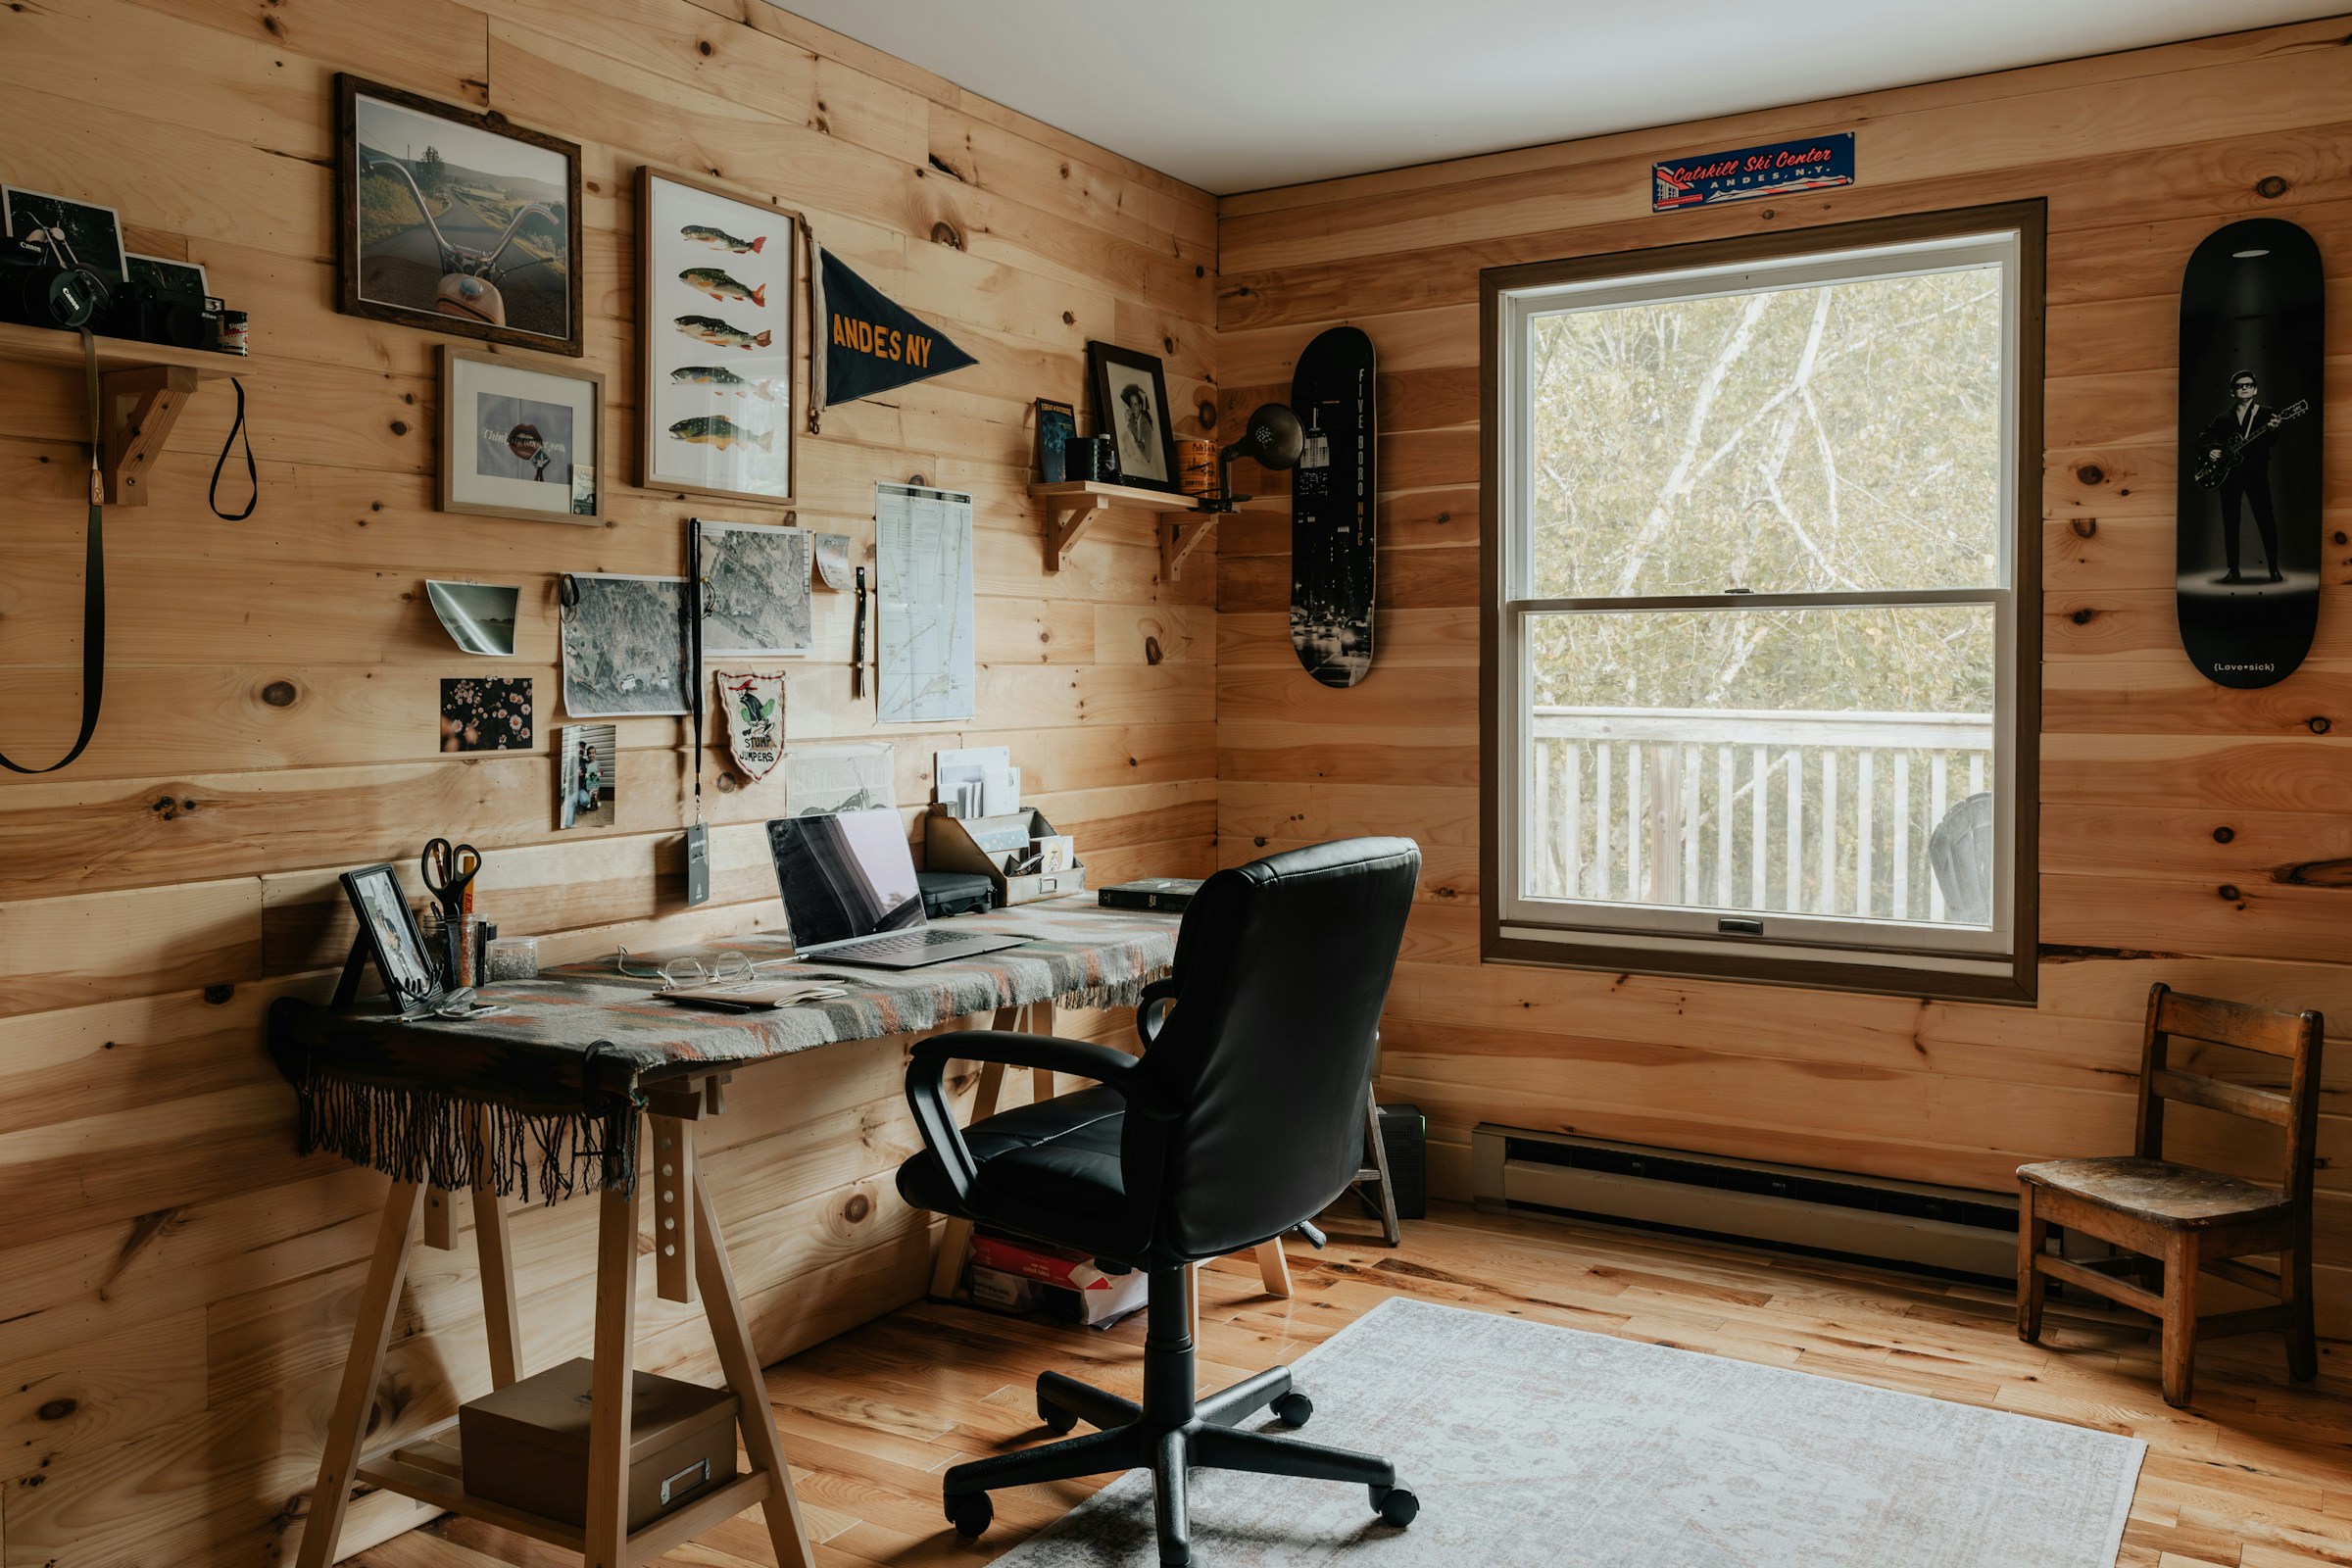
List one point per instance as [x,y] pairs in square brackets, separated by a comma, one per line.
[870,344]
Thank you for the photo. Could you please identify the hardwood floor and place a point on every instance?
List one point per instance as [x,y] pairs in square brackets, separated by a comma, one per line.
[2257,1474]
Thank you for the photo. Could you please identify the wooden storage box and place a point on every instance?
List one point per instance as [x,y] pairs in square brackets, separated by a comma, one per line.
[981,843]
[526,1445]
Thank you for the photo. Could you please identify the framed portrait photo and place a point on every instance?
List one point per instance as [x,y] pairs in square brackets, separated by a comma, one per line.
[1131,407]
[393,939]
[717,305]
[520,437]
[453,220]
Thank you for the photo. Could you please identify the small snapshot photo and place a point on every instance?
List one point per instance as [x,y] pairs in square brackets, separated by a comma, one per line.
[75,232]
[587,781]
[382,911]
[179,280]
[459,222]
[1131,406]
[492,715]
[519,437]
[479,616]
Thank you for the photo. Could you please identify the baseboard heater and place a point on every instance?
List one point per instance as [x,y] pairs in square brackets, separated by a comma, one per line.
[1948,1230]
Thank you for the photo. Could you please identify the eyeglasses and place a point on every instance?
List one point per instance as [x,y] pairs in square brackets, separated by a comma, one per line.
[721,969]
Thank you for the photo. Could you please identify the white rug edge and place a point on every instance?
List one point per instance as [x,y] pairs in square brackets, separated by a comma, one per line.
[2127,1486]
[2120,1515]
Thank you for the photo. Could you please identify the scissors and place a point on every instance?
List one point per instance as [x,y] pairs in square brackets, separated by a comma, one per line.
[449,870]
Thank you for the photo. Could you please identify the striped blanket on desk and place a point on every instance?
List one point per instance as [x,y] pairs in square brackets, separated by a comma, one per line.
[551,1087]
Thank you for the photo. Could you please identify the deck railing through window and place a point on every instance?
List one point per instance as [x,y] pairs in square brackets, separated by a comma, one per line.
[1803,813]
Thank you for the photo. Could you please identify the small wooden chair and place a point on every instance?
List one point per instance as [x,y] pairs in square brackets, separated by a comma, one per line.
[2180,1220]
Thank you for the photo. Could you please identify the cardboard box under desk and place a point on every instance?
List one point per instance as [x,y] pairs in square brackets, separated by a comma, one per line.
[959,844]
[526,1445]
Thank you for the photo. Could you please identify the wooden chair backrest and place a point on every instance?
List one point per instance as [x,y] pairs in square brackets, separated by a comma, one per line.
[2294,1036]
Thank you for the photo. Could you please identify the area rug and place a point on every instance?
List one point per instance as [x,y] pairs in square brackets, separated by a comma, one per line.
[1535,1446]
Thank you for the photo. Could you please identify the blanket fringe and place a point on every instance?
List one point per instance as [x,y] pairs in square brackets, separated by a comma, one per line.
[420,1134]
[1127,992]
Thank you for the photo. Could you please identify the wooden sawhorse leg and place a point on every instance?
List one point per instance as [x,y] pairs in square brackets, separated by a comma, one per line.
[787,1530]
[379,1301]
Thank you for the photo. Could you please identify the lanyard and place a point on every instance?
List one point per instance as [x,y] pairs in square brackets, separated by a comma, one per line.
[93,585]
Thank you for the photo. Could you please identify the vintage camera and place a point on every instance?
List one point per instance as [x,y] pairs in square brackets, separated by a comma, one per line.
[39,287]
[150,315]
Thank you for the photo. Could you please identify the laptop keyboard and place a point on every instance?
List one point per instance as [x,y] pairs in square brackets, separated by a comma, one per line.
[904,945]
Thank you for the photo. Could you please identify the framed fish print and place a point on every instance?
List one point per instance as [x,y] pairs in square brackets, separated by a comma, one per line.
[521,436]
[718,277]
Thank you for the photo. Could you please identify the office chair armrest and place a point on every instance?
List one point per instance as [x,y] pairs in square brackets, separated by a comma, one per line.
[1159,996]
[926,1084]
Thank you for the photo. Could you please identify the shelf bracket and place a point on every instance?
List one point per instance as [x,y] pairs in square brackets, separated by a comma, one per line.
[1067,518]
[1179,538]
[138,408]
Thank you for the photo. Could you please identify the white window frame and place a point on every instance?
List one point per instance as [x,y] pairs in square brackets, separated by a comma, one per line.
[1586,930]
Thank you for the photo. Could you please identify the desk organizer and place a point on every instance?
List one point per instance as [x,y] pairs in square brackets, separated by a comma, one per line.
[981,843]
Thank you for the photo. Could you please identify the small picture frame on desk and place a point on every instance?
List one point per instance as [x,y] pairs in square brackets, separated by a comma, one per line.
[393,941]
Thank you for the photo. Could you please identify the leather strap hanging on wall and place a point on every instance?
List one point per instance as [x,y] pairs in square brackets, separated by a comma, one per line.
[253,477]
[93,585]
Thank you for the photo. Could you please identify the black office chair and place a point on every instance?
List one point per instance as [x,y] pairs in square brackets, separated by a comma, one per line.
[1244,1118]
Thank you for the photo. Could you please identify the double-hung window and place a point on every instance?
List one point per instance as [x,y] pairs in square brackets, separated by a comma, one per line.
[1761,622]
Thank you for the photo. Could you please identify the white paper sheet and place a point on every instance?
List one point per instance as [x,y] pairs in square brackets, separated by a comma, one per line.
[923,624]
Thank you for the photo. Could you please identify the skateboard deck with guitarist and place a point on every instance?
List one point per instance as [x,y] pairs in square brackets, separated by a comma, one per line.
[2247,541]
[1333,493]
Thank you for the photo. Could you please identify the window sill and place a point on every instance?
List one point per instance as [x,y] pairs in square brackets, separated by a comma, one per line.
[2005,981]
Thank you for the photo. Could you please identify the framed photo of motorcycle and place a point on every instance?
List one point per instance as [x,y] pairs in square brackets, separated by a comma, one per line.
[454,220]
[717,297]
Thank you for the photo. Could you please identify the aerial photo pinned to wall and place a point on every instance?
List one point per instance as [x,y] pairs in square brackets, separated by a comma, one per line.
[754,588]
[715,286]
[624,645]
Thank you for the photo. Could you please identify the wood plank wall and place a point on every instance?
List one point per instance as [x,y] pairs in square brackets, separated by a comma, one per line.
[178,1286]
[2144,764]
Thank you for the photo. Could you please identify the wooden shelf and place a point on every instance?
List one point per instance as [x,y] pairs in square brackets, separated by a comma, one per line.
[48,346]
[1072,505]
[141,389]
[432,1470]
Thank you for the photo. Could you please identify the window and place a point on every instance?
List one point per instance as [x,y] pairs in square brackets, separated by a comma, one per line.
[1761,627]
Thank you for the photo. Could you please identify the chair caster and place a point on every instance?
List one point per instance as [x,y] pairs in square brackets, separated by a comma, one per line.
[1294,1408]
[1394,1505]
[1058,1420]
[972,1514]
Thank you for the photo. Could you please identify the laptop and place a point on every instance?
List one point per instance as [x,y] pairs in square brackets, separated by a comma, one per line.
[850,894]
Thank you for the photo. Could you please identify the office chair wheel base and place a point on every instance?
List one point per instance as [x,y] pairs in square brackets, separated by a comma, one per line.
[1294,1408]
[971,1514]
[1394,1505]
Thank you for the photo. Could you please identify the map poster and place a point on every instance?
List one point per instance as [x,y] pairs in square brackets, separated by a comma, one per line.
[923,624]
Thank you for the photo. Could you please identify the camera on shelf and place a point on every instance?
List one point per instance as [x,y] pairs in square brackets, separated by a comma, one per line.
[42,285]
[153,314]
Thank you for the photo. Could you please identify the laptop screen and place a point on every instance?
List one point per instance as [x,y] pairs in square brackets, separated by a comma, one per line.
[845,875]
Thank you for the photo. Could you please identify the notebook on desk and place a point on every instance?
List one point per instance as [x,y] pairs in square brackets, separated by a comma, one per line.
[850,894]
